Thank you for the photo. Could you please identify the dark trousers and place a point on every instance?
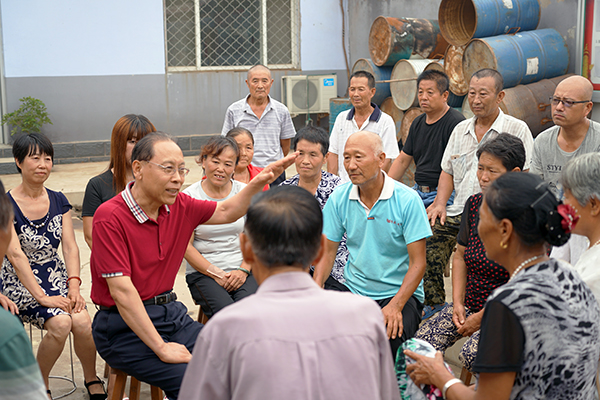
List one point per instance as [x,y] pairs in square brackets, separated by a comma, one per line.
[411,318]
[212,297]
[121,348]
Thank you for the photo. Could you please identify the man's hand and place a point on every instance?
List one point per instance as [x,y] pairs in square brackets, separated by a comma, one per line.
[76,300]
[56,302]
[392,316]
[436,211]
[471,325]
[174,353]
[8,305]
[459,315]
[235,280]
[275,169]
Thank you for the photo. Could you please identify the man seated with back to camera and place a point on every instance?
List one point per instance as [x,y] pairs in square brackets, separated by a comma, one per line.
[290,340]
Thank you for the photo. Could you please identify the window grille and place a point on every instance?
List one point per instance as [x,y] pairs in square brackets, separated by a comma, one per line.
[231,34]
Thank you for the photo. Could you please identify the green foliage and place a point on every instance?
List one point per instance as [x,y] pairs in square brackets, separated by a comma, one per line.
[29,118]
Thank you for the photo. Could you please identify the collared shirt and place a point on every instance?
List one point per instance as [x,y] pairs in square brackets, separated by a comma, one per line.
[377,237]
[460,157]
[293,340]
[274,124]
[129,243]
[345,125]
[326,186]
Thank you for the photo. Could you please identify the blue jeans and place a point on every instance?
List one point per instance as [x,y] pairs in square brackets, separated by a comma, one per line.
[428,198]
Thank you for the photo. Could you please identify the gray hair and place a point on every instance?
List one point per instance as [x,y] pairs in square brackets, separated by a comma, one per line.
[581,177]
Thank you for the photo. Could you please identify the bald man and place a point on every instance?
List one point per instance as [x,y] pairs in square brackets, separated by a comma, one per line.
[268,120]
[573,134]
[386,225]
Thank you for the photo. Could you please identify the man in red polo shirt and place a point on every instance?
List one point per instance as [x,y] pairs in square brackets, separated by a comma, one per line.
[140,237]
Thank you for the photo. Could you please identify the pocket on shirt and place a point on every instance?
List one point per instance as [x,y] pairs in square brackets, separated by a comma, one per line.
[459,167]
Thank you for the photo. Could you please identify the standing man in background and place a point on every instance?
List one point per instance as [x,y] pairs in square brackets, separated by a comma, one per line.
[363,116]
[428,136]
[268,120]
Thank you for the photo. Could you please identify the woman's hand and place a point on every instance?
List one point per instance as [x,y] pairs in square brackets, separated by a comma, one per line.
[8,305]
[459,315]
[235,280]
[56,302]
[472,324]
[76,300]
[427,370]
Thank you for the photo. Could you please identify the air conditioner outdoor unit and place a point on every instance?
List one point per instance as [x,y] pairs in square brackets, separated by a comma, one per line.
[303,94]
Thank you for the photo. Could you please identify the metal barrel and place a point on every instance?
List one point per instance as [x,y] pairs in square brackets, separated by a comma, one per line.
[453,66]
[409,117]
[463,20]
[388,107]
[393,39]
[531,104]
[403,83]
[336,106]
[380,73]
[521,58]
[466,109]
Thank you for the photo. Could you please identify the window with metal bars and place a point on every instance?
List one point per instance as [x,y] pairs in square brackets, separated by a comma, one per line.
[231,34]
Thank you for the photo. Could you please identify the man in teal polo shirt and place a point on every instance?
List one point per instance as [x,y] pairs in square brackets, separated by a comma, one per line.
[386,225]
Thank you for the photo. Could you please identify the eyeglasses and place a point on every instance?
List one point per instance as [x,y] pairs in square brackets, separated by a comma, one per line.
[568,103]
[171,170]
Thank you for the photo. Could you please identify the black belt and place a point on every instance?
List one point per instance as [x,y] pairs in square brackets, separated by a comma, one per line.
[426,189]
[164,298]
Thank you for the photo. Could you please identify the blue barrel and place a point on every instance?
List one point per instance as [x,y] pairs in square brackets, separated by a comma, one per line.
[336,106]
[455,100]
[463,20]
[521,58]
[380,73]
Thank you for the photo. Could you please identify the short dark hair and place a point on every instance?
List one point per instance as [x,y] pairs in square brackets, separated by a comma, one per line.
[237,131]
[30,144]
[364,74]
[144,148]
[6,210]
[440,78]
[526,200]
[284,226]
[507,148]
[216,145]
[491,73]
[312,134]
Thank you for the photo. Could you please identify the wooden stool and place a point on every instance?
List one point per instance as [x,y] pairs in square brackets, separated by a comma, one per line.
[134,387]
[465,376]
[202,318]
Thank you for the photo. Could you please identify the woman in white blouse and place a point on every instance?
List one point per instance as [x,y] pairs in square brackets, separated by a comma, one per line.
[216,273]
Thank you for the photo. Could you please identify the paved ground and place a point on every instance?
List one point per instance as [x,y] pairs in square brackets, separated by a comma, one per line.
[71,179]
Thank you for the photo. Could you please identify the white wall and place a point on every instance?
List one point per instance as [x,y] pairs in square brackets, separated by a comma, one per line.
[321,35]
[82,37]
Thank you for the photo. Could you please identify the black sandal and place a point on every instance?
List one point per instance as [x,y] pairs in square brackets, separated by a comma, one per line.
[96,396]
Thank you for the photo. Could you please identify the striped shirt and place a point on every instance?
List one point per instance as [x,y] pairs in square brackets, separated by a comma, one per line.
[460,157]
[274,124]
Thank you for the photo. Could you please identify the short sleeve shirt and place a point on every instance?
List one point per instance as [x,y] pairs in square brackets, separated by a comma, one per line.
[274,124]
[483,274]
[345,125]
[460,156]
[377,240]
[128,243]
[98,190]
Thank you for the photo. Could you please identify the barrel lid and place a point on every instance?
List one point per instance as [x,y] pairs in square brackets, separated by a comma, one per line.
[478,55]
[437,65]
[363,64]
[404,89]
[453,66]
[380,40]
[409,117]
[458,20]
[388,107]
[466,108]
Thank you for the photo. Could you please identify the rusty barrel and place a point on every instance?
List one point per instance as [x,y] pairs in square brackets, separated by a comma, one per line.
[463,20]
[409,117]
[336,106]
[388,107]
[453,66]
[393,39]
[521,58]
[531,104]
[381,75]
[403,82]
